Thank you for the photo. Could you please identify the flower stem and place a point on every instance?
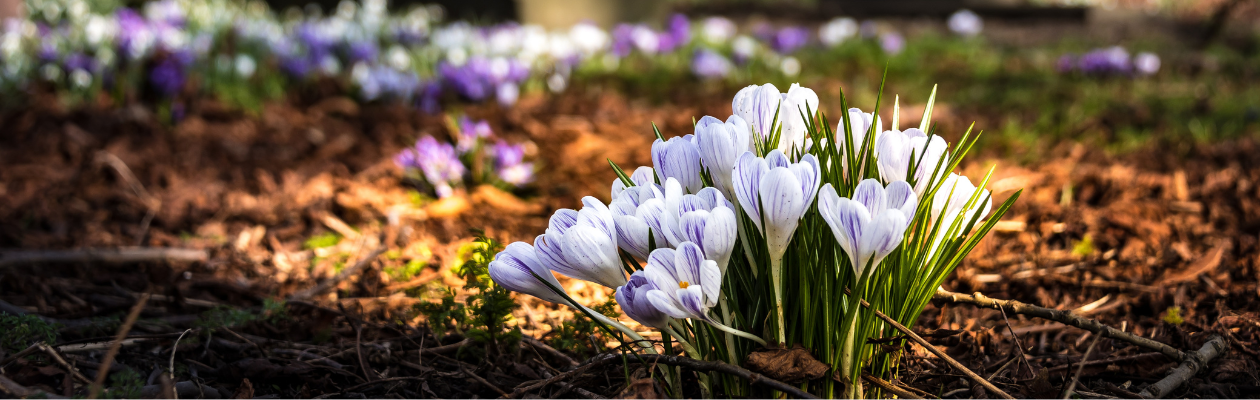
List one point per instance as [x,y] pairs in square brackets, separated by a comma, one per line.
[647,346]
[776,280]
[736,332]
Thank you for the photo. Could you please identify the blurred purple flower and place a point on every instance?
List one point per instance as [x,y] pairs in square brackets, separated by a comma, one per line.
[386,82]
[789,39]
[622,40]
[710,64]
[362,51]
[470,132]
[167,76]
[677,34]
[437,162]
[892,43]
[509,164]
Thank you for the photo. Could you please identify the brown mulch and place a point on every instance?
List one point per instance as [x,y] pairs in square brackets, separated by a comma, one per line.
[1123,239]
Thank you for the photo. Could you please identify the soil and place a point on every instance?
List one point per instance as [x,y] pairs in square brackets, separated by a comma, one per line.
[1163,243]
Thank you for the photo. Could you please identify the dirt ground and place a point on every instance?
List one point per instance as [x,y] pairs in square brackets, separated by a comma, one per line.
[1163,243]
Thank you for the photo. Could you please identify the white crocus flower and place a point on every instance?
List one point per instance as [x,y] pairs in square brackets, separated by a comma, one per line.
[687,285]
[870,225]
[583,244]
[760,105]
[894,151]
[515,268]
[720,146]
[705,218]
[678,158]
[775,194]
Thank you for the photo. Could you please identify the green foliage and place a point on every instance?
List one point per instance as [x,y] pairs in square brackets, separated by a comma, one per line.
[224,317]
[406,271]
[576,335]
[1173,315]
[1084,247]
[446,313]
[484,314]
[18,332]
[125,384]
[320,241]
[275,310]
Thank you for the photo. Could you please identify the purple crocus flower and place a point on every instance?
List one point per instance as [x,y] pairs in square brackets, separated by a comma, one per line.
[437,162]
[362,51]
[382,81]
[892,43]
[167,76]
[678,34]
[470,132]
[710,64]
[789,39]
[622,40]
[510,166]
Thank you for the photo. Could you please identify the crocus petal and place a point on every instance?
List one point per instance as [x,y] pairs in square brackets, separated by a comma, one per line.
[692,301]
[808,172]
[633,298]
[666,304]
[886,232]
[594,213]
[848,220]
[592,256]
[632,235]
[562,220]
[514,269]
[872,195]
[643,176]
[549,249]
[719,236]
[710,282]
[687,262]
[748,173]
[901,197]
[783,205]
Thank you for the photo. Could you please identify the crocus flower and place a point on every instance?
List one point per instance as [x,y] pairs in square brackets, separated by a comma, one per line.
[512,269]
[954,194]
[870,225]
[710,64]
[678,158]
[167,76]
[775,194]
[1146,63]
[743,48]
[789,39]
[720,146]
[894,151]
[837,31]
[892,43]
[509,164]
[437,162]
[760,105]
[709,201]
[717,30]
[965,23]
[633,298]
[642,176]
[687,284]
[582,244]
[637,212]
[470,133]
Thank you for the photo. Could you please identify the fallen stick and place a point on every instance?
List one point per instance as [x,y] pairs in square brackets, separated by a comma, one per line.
[62,361]
[890,387]
[1064,316]
[124,255]
[940,354]
[550,350]
[1067,393]
[99,383]
[335,280]
[1193,363]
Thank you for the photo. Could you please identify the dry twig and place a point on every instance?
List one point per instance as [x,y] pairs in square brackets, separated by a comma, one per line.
[1067,392]
[345,273]
[940,354]
[117,344]
[890,387]
[1064,316]
[1193,363]
[124,255]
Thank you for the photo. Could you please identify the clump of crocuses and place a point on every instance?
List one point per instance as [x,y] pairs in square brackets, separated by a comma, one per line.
[1110,61]
[477,156]
[772,226]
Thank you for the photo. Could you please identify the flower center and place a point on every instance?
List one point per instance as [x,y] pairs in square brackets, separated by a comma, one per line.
[683,285]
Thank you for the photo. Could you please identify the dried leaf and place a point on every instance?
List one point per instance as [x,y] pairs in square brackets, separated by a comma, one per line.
[788,365]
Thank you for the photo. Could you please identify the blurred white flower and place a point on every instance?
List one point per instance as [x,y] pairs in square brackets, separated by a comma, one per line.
[717,30]
[966,23]
[1146,63]
[790,66]
[837,31]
